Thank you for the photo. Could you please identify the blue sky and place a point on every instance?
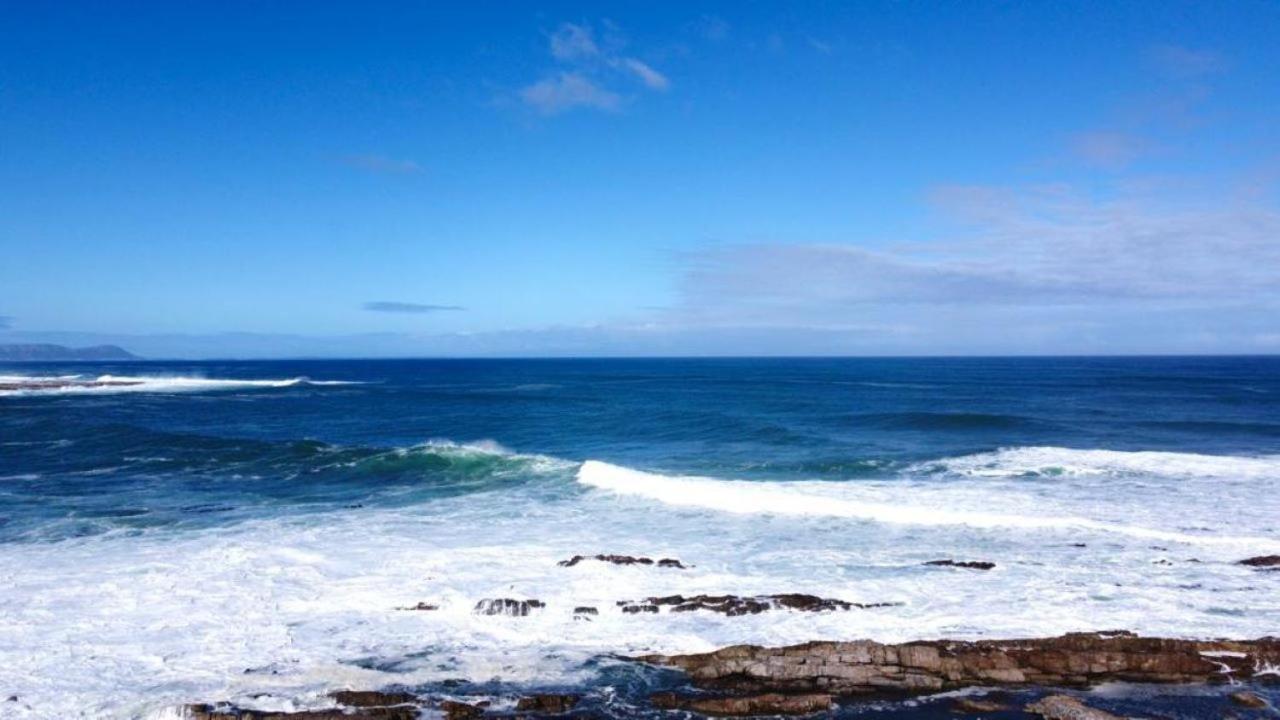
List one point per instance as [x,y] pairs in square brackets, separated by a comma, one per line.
[289,178]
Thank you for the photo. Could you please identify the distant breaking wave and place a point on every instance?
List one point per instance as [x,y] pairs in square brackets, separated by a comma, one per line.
[1055,461]
[23,385]
[838,499]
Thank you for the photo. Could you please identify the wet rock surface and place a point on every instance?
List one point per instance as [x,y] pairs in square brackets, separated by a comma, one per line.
[1075,660]
[508,606]
[747,705]
[425,607]
[1262,561]
[1246,699]
[738,605]
[970,565]
[1065,707]
[454,710]
[977,705]
[547,703]
[624,560]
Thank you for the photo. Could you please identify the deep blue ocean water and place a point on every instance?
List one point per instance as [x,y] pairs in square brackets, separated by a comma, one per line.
[279,511]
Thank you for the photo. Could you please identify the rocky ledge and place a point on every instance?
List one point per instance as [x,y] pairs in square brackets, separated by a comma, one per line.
[738,605]
[624,560]
[1076,660]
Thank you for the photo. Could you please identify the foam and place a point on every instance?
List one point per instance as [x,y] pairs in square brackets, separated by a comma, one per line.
[824,499]
[1056,461]
[118,384]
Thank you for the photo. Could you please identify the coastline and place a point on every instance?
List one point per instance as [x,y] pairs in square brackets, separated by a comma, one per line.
[1038,677]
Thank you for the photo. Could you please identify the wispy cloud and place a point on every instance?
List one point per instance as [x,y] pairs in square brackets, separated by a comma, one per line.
[568,90]
[388,306]
[382,164]
[1106,149]
[1183,62]
[591,74]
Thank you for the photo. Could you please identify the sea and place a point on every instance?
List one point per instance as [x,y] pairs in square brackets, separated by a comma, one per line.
[250,532]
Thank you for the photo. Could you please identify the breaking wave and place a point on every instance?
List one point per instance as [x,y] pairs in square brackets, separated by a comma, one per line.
[27,385]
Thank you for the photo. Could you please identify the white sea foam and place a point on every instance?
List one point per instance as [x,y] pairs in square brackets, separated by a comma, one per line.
[1053,461]
[129,625]
[114,384]
[845,500]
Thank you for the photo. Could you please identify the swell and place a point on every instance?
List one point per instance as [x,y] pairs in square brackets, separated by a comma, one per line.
[943,421]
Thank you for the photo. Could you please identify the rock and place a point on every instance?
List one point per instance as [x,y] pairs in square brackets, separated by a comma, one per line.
[739,706]
[585,610]
[1244,698]
[623,560]
[1065,707]
[976,705]
[454,710]
[547,703]
[970,565]
[206,712]
[865,667]
[735,605]
[508,606]
[421,606]
[372,698]
[1262,561]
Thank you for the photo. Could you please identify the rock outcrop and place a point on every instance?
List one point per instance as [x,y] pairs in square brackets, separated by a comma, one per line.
[747,705]
[508,606]
[738,605]
[1065,707]
[1076,660]
[624,560]
[1262,561]
[547,703]
[970,565]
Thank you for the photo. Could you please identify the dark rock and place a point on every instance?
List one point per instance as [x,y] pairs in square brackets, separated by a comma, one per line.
[508,606]
[747,705]
[1262,561]
[977,705]
[1076,660]
[733,605]
[1065,707]
[1244,698]
[421,606]
[205,712]
[548,703]
[622,560]
[454,710]
[372,698]
[585,610]
[970,565]
[11,698]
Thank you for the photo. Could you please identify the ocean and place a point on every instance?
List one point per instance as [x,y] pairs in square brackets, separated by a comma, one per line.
[247,531]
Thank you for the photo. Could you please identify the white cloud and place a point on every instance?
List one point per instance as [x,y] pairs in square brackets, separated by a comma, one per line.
[568,90]
[650,77]
[573,42]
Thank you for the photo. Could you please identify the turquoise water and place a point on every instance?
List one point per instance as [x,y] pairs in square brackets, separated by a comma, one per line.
[160,538]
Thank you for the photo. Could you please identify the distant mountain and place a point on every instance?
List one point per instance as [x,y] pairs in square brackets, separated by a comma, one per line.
[57,353]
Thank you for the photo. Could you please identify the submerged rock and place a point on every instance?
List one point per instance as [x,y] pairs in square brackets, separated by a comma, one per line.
[549,703]
[1065,707]
[508,606]
[737,605]
[977,705]
[748,705]
[1262,561]
[421,606]
[865,667]
[1246,699]
[977,565]
[623,560]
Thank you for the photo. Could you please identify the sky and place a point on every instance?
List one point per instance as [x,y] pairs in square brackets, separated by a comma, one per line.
[274,179]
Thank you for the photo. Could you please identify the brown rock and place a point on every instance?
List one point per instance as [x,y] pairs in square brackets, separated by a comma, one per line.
[864,667]
[741,706]
[733,605]
[981,565]
[508,606]
[1244,698]
[1065,707]
[454,710]
[1262,561]
[372,698]
[547,703]
[976,705]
